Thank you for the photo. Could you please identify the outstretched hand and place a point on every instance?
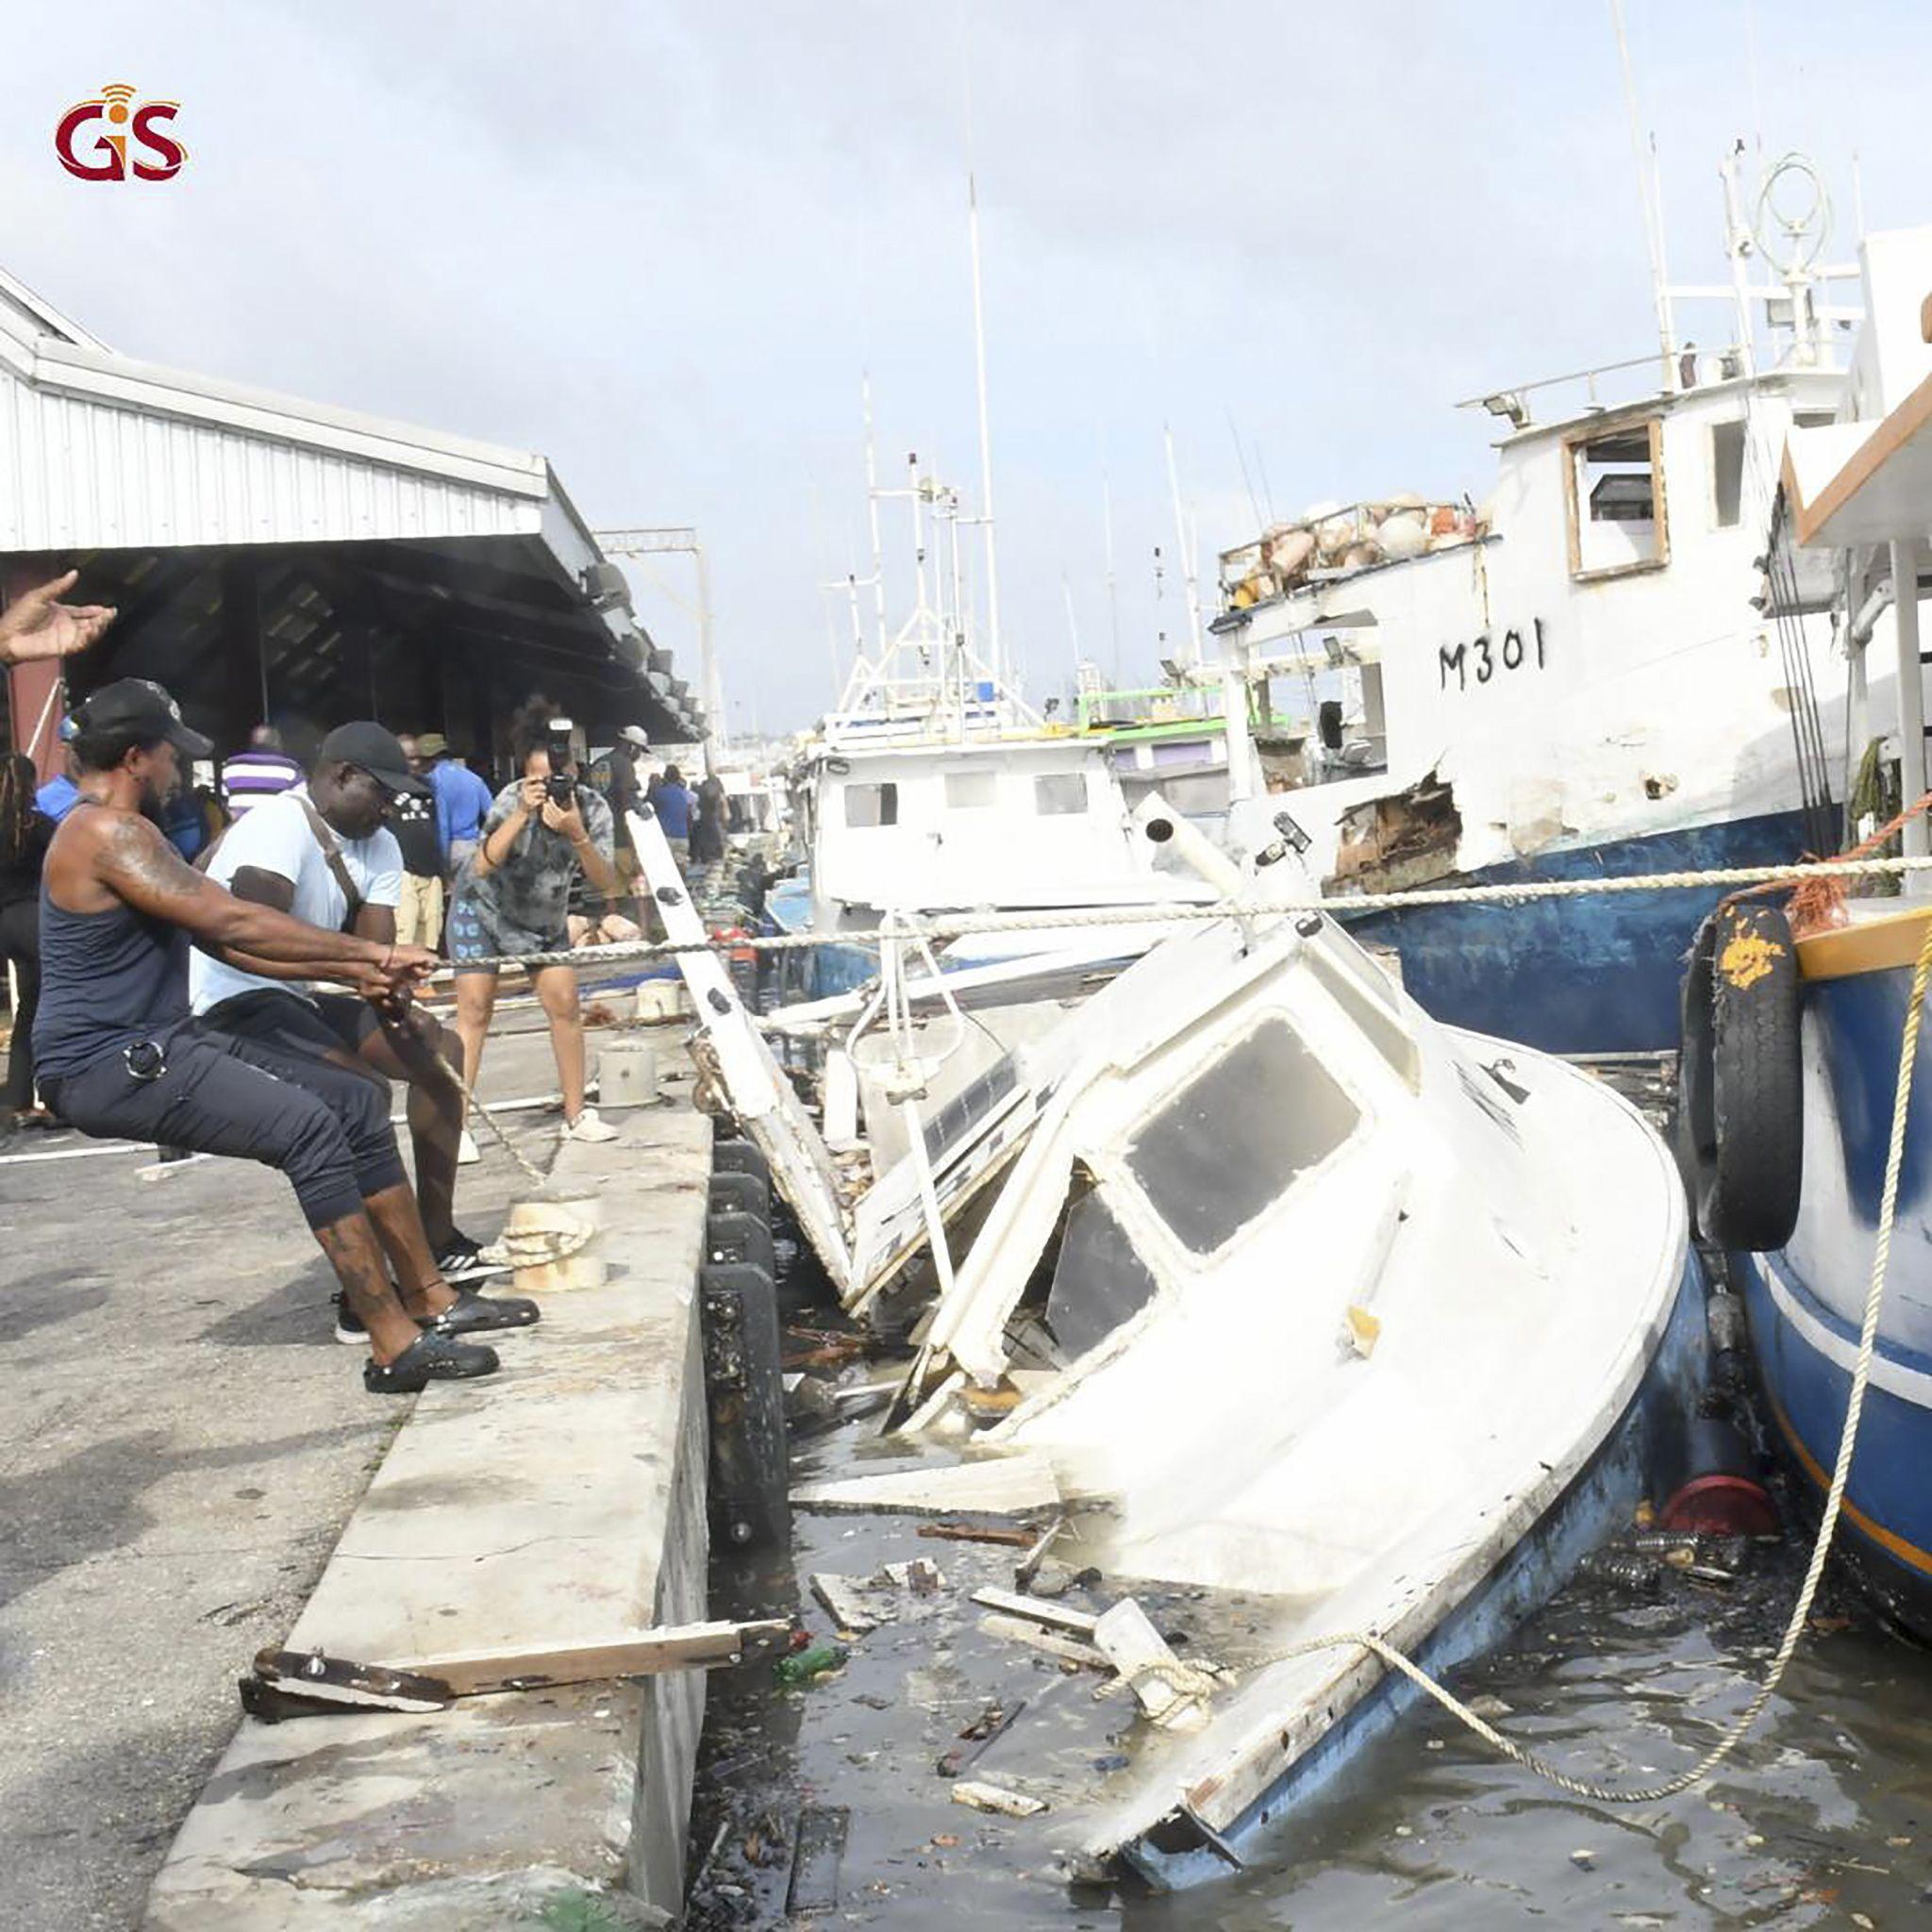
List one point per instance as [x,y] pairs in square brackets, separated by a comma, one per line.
[36,624]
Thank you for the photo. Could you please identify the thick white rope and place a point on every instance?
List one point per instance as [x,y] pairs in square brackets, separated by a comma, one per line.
[965,926]
[1827,1523]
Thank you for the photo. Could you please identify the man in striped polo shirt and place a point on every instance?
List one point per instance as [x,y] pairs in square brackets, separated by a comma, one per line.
[263,770]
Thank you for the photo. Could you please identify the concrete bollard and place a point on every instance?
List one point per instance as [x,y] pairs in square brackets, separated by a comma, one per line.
[626,1075]
[556,1244]
[660,1001]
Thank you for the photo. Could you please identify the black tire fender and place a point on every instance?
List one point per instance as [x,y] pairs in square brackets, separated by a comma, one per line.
[1740,1095]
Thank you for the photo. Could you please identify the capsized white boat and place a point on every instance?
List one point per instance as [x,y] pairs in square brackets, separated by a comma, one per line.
[1290,1294]
[1316,1301]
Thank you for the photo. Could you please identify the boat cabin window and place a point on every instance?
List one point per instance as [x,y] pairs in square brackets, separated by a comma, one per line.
[1615,486]
[1236,1137]
[1089,1280]
[1058,794]
[872,804]
[1728,472]
[970,791]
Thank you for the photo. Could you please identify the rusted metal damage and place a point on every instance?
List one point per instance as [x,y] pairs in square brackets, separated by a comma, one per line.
[1408,838]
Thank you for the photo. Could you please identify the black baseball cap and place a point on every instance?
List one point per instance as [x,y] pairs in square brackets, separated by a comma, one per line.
[369,748]
[140,706]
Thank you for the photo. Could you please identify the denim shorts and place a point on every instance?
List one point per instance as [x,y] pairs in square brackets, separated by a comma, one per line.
[475,936]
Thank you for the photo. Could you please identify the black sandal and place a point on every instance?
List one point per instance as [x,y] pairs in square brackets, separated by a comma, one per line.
[429,1358]
[476,1314]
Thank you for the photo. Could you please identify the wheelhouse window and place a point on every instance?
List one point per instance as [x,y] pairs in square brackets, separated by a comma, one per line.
[1059,794]
[1615,485]
[1239,1134]
[872,804]
[972,791]
[1726,473]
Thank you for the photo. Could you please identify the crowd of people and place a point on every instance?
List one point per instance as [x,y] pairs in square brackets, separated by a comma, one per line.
[231,968]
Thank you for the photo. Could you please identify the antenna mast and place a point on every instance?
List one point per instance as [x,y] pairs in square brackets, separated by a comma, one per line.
[1113,600]
[1187,549]
[992,575]
[1652,227]
[871,509]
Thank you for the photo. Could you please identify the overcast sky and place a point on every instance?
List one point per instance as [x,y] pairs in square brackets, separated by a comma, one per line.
[660,244]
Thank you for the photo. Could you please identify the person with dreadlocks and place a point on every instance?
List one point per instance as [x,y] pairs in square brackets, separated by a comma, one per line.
[24,833]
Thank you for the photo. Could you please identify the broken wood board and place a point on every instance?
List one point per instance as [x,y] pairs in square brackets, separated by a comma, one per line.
[1174,1694]
[1013,1535]
[816,1857]
[1038,1610]
[1069,1650]
[985,1797]
[843,1600]
[670,1647]
[991,1486]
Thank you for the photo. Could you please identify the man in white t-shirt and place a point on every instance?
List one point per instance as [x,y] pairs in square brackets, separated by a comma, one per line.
[322,852]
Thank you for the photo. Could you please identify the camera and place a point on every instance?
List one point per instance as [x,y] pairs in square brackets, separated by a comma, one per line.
[561,786]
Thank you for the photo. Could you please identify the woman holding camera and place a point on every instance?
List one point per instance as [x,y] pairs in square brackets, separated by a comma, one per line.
[512,899]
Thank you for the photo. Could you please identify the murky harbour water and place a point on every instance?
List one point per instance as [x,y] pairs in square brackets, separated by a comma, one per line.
[1824,1816]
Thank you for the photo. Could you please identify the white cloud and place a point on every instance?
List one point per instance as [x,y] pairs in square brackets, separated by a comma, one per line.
[660,246]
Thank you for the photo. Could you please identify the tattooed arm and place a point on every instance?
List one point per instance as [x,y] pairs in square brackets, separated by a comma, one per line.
[133,862]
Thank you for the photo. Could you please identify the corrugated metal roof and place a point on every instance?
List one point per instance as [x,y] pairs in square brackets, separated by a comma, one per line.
[102,452]
[99,451]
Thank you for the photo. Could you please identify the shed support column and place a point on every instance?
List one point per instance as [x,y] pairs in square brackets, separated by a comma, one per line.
[244,665]
[1911,706]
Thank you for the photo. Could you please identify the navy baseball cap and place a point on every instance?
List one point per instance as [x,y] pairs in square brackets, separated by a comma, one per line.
[140,706]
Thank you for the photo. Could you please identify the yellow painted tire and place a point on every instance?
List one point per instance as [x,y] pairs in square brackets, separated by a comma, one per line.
[1740,1079]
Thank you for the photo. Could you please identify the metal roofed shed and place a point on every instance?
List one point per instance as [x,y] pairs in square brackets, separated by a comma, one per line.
[281,560]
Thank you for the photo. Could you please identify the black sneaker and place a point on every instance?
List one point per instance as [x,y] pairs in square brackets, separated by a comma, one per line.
[462,1259]
[349,1326]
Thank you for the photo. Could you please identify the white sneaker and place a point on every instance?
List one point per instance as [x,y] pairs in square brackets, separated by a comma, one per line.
[589,1126]
[468,1154]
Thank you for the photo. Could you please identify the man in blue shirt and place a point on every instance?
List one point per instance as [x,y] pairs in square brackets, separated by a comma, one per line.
[462,800]
[55,799]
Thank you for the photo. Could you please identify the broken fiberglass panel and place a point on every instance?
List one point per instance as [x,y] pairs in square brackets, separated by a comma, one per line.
[1237,1136]
[1098,1280]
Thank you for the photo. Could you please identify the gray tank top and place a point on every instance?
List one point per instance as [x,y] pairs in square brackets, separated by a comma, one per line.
[106,979]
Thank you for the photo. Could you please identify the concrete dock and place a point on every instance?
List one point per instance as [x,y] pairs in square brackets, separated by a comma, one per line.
[561,1500]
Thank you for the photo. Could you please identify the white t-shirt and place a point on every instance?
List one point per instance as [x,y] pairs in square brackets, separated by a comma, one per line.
[275,838]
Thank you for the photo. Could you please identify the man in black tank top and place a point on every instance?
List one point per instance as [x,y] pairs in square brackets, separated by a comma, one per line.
[119,1054]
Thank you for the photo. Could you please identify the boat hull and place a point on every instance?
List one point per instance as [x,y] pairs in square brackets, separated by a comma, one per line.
[1644,1447]
[1597,974]
[1806,1304]
[1885,1530]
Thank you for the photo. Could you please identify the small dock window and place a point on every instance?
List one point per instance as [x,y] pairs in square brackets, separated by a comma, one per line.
[1728,472]
[872,804]
[1058,794]
[972,791]
[1615,485]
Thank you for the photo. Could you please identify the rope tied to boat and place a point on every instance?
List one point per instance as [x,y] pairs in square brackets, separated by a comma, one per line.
[969,926]
[1827,1523]
[1818,905]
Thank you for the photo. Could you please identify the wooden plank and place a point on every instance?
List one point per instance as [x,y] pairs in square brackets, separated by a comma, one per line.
[1039,1609]
[672,1647]
[990,1485]
[1131,1645]
[1069,1650]
[816,1857]
[985,1797]
[843,1600]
